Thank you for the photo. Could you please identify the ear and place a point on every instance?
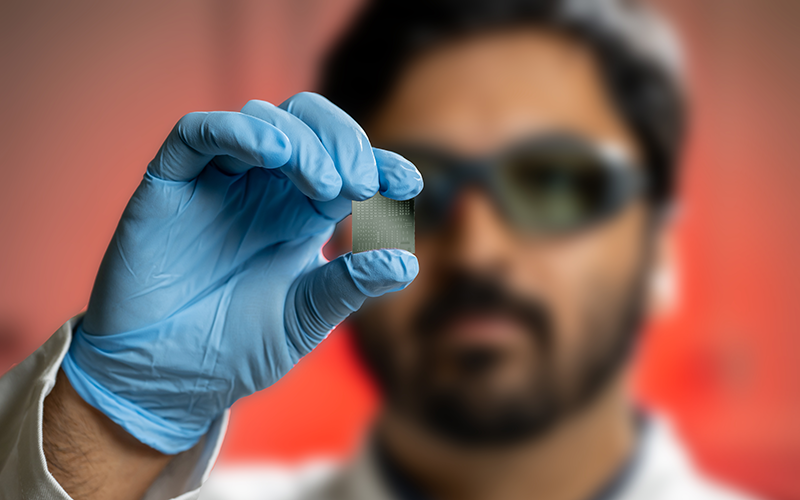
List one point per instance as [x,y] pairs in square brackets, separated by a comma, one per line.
[663,288]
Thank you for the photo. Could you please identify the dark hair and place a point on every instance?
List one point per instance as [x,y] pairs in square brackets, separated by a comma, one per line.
[361,70]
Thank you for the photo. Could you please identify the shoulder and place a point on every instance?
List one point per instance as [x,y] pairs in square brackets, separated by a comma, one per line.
[699,488]
[665,471]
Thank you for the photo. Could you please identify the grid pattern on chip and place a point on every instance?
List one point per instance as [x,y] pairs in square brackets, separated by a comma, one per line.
[381,222]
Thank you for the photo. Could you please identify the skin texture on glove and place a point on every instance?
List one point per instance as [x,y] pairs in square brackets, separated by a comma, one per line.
[89,455]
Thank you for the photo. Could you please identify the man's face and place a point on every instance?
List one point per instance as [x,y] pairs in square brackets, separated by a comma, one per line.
[528,327]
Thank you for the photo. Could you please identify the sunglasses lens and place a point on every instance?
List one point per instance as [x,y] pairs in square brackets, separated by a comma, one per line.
[548,187]
[556,191]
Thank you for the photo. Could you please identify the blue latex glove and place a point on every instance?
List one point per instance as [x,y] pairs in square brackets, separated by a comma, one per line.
[214,284]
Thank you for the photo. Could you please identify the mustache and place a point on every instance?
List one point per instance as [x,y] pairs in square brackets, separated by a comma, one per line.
[469,293]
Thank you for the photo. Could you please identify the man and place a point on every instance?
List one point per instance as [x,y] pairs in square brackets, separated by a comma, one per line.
[547,133]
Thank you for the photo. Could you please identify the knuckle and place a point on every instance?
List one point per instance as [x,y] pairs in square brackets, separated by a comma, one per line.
[307,97]
[189,124]
[189,119]
[254,106]
[255,102]
[306,101]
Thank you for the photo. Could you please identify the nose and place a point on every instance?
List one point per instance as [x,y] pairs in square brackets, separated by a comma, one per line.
[475,236]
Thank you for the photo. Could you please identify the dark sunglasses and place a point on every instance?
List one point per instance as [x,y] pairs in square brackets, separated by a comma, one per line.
[550,184]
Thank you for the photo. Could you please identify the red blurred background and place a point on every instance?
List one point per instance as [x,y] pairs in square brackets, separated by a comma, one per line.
[88,90]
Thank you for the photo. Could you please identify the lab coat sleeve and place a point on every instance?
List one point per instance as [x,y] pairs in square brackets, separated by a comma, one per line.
[23,469]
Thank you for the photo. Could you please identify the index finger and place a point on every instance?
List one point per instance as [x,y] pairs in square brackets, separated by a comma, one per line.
[199,137]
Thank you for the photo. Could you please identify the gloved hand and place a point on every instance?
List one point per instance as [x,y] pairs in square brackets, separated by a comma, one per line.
[214,284]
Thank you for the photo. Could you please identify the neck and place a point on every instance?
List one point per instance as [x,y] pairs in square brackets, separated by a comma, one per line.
[573,461]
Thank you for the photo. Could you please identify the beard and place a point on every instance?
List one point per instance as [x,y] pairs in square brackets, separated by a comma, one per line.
[451,391]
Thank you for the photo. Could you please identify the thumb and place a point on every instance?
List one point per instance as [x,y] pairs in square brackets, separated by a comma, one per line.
[322,298]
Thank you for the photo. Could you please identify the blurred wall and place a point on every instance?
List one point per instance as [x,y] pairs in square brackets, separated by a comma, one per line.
[728,364]
[88,90]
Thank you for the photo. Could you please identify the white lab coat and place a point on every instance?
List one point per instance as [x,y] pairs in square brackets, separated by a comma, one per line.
[663,471]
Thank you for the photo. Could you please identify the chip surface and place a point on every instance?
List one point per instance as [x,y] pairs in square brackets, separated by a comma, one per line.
[381,222]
